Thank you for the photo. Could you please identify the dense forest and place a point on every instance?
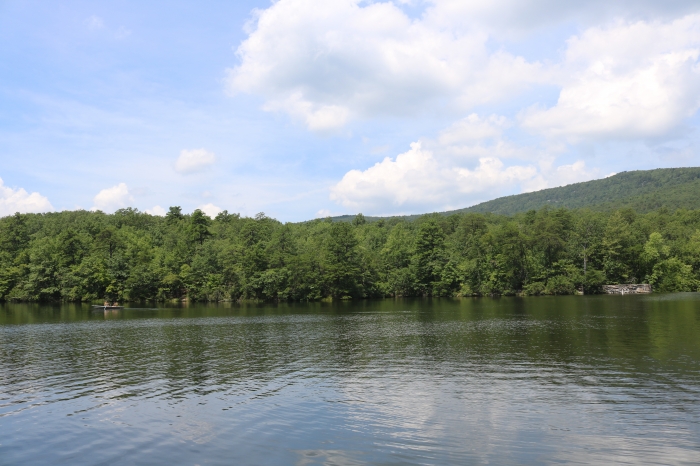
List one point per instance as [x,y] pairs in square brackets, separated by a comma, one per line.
[131,256]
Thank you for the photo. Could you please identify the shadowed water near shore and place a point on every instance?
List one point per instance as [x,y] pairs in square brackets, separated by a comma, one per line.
[593,379]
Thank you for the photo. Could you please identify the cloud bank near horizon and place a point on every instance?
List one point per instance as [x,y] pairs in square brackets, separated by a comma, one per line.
[14,200]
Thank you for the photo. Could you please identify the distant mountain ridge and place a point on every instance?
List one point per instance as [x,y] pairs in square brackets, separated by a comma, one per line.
[641,190]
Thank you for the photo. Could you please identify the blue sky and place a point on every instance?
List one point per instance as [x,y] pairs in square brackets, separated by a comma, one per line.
[304,108]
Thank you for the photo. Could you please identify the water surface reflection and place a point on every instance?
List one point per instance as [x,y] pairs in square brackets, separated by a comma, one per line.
[542,380]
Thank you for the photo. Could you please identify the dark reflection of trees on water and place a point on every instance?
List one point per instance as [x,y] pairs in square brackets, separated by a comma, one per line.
[198,349]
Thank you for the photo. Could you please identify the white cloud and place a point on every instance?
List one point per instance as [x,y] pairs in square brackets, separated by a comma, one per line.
[157,210]
[418,180]
[210,209]
[327,62]
[512,18]
[624,77]
[19,200]
[466,164]
[632,80]
[111,199]
[473,128]
[195,160]
[316,116]
[552,177]
[95,22]
[476,137]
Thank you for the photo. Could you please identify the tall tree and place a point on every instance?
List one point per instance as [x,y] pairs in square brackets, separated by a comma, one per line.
[342,260]
[199,226]
[174,214]
[429,256]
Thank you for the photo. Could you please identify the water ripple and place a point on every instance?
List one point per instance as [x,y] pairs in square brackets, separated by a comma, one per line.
[422,382]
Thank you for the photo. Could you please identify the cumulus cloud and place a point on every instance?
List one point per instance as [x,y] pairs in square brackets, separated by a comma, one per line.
[417,179]
[327,62]
[316,116]
[111,199]
[469,162]
[210,209]
[195,160]
[632,80]
[473,128]
[550,176]
[19,200]
[157,210]
[631,72]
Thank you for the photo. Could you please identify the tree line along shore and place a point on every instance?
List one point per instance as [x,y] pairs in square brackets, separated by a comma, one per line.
[133,256]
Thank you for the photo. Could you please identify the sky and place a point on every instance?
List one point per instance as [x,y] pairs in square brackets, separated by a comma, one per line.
[303,109]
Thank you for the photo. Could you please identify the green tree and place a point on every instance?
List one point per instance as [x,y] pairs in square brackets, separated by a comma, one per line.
[174,214]
[617,249]
[199,226]
[506,261]
[359,220]
[587,236]
[14,233]
[673,275]
[429,256]
[342,260]
[551,234]
[666,273]
[107,241]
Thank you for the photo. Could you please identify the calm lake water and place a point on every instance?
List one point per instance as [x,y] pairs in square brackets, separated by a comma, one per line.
[588,380]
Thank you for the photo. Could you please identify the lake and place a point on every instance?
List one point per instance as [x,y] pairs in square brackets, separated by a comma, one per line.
[574,379]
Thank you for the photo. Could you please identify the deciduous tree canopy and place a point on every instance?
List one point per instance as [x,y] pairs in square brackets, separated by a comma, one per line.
[131,255]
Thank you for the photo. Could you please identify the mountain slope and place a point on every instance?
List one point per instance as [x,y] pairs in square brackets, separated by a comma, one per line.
[643,191]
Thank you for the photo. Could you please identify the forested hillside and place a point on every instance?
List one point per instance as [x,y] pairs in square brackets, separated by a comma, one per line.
[643,191]
[130,255]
